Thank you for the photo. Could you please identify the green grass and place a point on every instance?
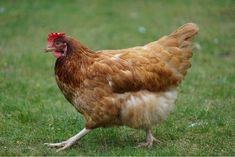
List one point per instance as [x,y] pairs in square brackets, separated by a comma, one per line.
[34,111]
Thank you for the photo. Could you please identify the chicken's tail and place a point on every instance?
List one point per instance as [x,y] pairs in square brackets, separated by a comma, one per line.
[178,48]
[181,38]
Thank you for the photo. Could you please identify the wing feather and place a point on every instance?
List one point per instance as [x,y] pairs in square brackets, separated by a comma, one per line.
[132,70]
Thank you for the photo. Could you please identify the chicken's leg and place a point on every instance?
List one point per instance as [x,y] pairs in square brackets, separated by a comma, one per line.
[71,141]
[149,140]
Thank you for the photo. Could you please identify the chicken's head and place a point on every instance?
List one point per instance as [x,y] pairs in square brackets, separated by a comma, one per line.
[57,44]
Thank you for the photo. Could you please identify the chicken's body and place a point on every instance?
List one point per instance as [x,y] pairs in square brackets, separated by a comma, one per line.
[135,87]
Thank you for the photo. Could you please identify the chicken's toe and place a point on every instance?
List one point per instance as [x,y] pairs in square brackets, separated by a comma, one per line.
[66,146]
[145,145]
[156,141]
[53,145]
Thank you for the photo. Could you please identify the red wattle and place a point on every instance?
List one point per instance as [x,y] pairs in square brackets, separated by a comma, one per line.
[56,54]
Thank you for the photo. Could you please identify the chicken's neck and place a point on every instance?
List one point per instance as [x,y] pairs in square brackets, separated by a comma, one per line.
[71,69]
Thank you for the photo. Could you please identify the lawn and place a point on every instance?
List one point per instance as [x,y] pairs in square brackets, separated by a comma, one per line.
[33,110]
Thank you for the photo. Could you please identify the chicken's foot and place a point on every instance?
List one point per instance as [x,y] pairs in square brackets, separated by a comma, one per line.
[68,143]
[150,139]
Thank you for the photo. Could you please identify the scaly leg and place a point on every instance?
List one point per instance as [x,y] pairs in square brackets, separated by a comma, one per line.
[149,140]
[71,141]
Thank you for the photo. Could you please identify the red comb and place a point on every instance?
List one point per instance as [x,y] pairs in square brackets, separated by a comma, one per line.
[53,36]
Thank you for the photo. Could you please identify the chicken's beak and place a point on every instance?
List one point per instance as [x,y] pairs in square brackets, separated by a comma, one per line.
[49,49]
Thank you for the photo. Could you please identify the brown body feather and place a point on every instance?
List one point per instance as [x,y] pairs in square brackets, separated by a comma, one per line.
[133,87]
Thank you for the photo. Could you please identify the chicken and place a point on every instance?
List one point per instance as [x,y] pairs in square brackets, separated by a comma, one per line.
[134,87]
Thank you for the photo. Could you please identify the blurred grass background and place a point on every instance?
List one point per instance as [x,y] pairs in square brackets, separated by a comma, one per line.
[34,111]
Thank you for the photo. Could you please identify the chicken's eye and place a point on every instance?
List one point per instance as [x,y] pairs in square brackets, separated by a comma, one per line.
[57,43]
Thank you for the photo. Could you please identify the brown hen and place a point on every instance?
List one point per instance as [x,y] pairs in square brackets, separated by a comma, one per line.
[135,87]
